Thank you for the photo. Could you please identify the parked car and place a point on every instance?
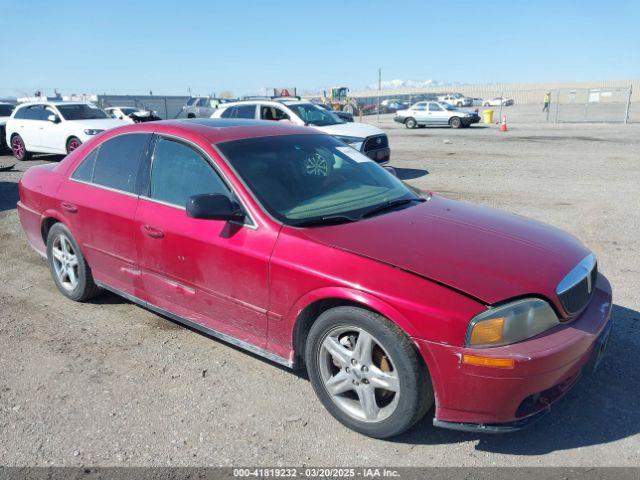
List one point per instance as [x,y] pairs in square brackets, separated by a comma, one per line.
[54,127]
[5,113]
[132,114]
[346,116]
[368,139]
[496,102]
[424,114]
[456,99]
[286,242]
[201,107]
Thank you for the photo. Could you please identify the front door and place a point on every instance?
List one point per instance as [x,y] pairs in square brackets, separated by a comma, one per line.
[211,272]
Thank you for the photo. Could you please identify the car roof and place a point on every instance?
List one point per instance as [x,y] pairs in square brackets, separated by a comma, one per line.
[52,102]
[218,130]
[266,101]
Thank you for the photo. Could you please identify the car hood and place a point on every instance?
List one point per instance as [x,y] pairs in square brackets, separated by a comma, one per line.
[485,253]
[351,129]
[99,124]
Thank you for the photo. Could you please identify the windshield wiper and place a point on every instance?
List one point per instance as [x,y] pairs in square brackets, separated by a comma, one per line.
[327,220]
[390,205]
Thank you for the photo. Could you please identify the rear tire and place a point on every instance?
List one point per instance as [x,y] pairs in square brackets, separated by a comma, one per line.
[455,122]
[19,149]
[366,372]
[72,144]
[410,123]
[69,270]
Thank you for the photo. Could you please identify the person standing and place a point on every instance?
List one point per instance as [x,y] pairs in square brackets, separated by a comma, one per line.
[547,102]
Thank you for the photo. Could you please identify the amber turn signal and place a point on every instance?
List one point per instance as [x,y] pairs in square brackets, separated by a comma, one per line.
[488,361]
[487,331]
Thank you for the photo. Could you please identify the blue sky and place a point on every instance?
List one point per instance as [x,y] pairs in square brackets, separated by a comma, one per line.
[241,46]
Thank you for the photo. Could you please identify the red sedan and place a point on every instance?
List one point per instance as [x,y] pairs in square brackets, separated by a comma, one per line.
[297,247]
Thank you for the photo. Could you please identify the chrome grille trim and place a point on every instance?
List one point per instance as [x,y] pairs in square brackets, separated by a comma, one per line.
[576,288]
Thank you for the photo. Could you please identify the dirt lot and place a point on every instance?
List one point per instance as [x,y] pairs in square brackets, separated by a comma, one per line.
[108,383]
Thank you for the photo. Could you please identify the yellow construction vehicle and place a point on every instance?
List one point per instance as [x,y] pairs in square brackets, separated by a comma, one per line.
[339,100]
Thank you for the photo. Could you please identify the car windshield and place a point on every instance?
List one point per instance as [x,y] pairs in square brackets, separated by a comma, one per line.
[5,110]
[314,115]
[81,111]
[128,111]
[302,178]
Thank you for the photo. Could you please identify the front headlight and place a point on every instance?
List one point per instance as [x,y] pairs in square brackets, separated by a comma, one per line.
[510,323]
[92,131]
[354,142]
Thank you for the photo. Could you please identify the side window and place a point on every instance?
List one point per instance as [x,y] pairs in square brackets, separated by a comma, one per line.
[229,112]
[119,160]
[419,106]
[434,107]
[245,111]
[272,113]
[84,171]
[33,113]
[178,172]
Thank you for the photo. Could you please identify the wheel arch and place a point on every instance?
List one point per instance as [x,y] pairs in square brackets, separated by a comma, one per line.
[311,306]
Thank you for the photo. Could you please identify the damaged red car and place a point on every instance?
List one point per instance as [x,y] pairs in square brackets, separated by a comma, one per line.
[295,246]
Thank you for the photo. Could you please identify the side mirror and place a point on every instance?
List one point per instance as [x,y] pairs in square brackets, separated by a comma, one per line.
[53,118]
[391,170]
[213,206]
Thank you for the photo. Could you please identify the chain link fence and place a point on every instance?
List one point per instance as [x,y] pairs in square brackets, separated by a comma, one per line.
[604,104]
[166,107]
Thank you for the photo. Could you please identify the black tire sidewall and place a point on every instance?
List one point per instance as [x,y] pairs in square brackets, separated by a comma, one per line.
[410,123]
[455,122]
[416,395]
[85,280]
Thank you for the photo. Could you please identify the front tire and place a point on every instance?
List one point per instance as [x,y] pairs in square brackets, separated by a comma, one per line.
[367,372]
[455,122]
[19,149]
[410,123]
[68,267]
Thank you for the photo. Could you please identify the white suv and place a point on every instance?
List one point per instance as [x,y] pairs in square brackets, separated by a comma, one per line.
[368,139]
[54,127]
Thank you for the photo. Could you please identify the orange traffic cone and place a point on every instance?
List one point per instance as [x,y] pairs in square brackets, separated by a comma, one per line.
[503,125]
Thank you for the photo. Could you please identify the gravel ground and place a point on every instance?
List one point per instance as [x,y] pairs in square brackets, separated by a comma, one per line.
[108,383]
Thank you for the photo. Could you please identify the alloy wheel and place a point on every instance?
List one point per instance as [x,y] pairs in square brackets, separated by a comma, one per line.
[358,374]
[65,262]
[17,147]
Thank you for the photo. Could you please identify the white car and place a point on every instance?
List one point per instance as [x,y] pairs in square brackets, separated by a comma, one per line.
[498,101]
[423,114]
[456,99]
[54,127]
[5,113]
[368,139]
[132,114]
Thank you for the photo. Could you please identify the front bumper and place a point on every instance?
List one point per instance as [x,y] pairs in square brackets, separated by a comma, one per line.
[546,367]
[399,119]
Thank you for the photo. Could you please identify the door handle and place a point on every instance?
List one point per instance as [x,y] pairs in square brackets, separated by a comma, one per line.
[152,232]
[69,207]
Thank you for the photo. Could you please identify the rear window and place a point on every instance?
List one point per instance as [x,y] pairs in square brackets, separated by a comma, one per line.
[118,161]
[5,110]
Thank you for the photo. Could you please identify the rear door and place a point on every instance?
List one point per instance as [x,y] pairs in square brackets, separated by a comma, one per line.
[211,272]
[29,126]
[100,204]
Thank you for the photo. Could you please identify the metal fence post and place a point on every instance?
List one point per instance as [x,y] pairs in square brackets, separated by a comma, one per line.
[166,110]
[557,105]
[626,113]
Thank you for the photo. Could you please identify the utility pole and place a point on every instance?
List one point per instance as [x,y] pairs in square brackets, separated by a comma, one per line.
[379,90]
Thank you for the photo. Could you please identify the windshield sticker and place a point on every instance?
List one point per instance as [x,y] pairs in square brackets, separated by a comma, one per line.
[353,154]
